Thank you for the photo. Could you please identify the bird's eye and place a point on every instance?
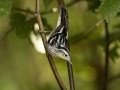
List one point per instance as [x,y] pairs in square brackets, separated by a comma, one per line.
[66,55]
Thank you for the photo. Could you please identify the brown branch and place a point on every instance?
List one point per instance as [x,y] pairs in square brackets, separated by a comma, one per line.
[53,67]
[70,70]
[106,56]
[71,77]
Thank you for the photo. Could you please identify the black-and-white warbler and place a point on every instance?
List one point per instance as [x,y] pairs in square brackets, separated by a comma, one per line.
[58,38]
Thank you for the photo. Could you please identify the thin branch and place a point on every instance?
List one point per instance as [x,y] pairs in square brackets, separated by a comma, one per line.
[31,12]
[53,67]
[106,56]
[73,2]
[70,70]
[91,29]
[6,33]
[71,77]
[86,33]
[45,12]
[113,78]
[23,10]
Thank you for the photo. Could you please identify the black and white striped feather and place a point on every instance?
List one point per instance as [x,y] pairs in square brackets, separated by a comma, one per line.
[58,39]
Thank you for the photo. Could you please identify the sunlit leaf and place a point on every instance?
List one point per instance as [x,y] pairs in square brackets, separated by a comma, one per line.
[109,9]
[5,8]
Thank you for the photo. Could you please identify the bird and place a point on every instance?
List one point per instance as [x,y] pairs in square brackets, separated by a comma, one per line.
[58,38]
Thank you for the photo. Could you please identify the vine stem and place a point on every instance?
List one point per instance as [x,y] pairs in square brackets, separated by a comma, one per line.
[70,70]
[106,56]
[53,67]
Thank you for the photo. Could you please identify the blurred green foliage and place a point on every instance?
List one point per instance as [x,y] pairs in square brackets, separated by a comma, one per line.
[23,68]
[5,8]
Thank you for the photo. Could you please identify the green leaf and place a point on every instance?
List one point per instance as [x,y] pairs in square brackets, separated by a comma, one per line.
[109,9]
[17,19]
[93,4]
[47,3]
[22,26]
[24,30]
[113,53]
[5,8]
[114,36]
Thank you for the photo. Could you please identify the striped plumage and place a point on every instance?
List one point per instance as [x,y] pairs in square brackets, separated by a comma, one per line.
[59,37]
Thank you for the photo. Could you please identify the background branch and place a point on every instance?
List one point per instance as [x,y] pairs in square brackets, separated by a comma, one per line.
[106,56]
[73,2]
[45,12]
[86,33]
[6,33]
[70,70]
[113,78]
[91,29]
[53,67]
[23,10]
